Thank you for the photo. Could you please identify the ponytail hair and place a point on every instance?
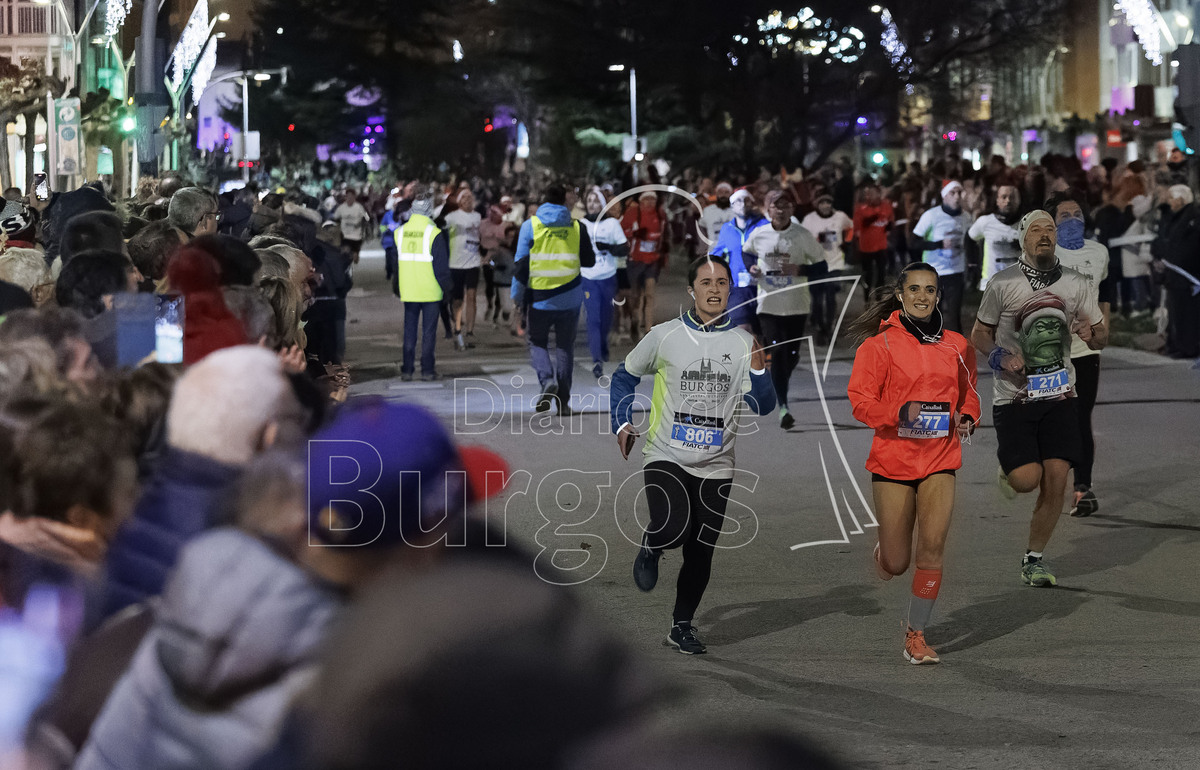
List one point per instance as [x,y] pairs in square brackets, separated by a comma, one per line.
[881,303]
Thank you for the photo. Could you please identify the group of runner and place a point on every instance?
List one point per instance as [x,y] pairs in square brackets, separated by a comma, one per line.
[913,382]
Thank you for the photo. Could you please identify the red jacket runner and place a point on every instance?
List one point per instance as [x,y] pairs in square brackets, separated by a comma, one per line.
[892,368]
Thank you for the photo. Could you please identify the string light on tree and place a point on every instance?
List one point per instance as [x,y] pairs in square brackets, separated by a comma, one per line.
[204,69]
[809,35]
[890,39]
[1143,17]
[115,12]
[191,44]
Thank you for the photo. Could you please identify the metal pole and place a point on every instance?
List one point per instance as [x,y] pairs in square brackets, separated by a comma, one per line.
[633,106]
[245,125]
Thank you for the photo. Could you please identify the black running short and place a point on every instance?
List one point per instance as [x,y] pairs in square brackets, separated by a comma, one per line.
[914,483]
[1036,431]
[463,280]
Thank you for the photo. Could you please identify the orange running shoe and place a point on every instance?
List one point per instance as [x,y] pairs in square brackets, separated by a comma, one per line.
[879,570]
[916,651]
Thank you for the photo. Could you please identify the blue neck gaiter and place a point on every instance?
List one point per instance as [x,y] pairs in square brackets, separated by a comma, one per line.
[1070,234]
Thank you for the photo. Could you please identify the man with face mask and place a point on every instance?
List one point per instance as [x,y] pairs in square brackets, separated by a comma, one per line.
[1025,309]
[999,233]
[729,244]
[939,234]
[1090,258]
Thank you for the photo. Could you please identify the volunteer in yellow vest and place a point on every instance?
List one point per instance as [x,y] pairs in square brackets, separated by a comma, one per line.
[550,250]
[422,280]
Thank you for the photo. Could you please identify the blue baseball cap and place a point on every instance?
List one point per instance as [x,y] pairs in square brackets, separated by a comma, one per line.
[381,474]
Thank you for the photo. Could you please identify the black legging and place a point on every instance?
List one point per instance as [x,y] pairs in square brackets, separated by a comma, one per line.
[1087,383]
[786,329]
[951,288]
[687,511]
[874,267]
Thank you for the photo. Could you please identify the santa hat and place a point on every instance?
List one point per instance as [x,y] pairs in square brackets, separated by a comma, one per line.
[1041,305]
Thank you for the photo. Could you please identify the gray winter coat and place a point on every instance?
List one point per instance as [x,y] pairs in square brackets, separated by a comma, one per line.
[234,641]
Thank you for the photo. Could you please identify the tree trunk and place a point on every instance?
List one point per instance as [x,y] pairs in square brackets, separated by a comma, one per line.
[5,160]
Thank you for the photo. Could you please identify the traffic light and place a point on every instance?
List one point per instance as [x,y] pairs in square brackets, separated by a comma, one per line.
[127,120]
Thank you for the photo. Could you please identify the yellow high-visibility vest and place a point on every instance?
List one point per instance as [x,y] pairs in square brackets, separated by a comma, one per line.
[554,255]
[414,267]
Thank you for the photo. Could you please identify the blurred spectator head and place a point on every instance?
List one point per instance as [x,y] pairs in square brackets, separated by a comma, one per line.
[194,211]
[556,195]
[18,222]
[63,330]
[168,186]
[69,465]
[138,400]
[209,326]
[13,194]
[300,270]
[88,282]
[271,264]
[425,482]
[27,366]
[92,231]
[25,268]
[237,261]
[1178,196]
[249,306]
[287,307]
[66,206]
[233,404]
[153,246]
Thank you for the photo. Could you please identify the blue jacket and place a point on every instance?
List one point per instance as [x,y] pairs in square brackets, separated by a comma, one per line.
[235,639]
[178,503]
[388,225]
[730,241]
[567,297]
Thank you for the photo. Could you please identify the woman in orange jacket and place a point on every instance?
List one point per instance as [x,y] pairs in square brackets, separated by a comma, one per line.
[914,383]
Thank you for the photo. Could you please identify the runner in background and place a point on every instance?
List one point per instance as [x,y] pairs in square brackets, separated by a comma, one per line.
[940,234]
[998,232]
[873,220]
[913,382]
[1091,259]
[728,246]
[833,230]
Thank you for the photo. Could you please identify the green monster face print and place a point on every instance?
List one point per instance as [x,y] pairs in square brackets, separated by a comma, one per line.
[1042,344]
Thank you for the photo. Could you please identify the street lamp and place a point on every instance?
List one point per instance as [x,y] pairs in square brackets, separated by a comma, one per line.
[632,109]
[245,76]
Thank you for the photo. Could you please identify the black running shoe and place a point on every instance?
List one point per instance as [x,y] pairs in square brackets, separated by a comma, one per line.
[683,638]
[546,401]
[1084,502]
[645,567]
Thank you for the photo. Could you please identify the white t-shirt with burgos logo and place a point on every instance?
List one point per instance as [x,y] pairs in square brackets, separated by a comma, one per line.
[464,239]
[830,232]
[1092,261]
[700,378]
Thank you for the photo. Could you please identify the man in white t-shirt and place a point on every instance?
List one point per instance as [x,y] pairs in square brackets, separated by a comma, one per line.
[1026,320]
[785,257]
[463,224]
[941,233]
[352,218]
[1091,259]
[833,230]
[715,215]
[998,231]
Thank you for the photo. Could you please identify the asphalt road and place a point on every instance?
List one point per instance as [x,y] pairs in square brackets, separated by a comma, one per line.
[1102,671]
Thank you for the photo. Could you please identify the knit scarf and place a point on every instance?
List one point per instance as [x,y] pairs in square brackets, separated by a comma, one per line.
[1040,279]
